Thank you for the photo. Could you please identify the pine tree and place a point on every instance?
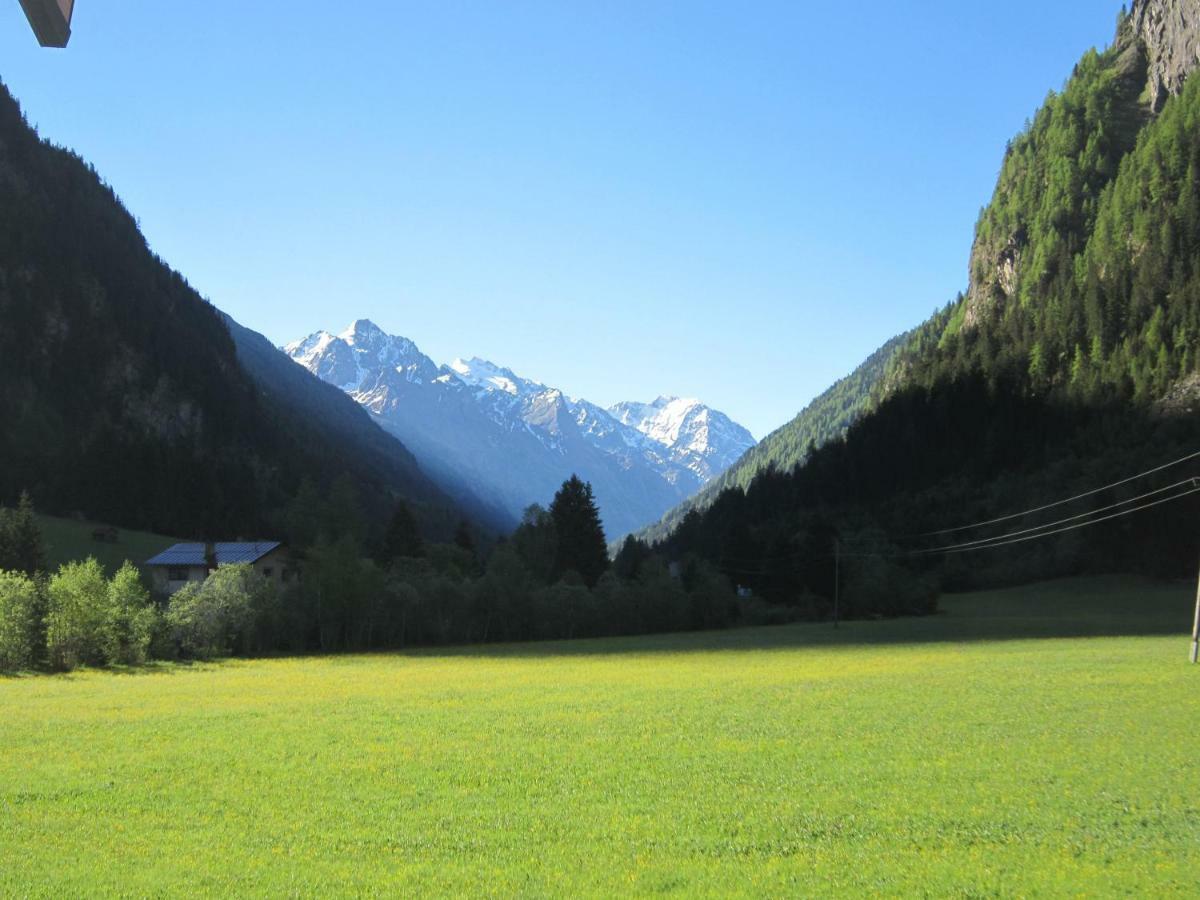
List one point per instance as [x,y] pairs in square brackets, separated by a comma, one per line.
[633,553]
[403,537]
[21,548]
[27,538]
[581,544]
[463,538]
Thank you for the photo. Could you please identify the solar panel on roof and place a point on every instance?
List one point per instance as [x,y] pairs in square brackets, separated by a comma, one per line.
[228,553]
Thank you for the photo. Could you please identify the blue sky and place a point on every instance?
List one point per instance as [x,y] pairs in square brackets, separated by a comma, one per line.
[735,201]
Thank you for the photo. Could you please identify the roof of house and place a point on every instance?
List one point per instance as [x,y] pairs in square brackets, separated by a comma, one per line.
[228,553]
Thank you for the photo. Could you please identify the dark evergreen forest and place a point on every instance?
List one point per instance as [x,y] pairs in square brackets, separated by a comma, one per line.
[122,391]
[1070,363]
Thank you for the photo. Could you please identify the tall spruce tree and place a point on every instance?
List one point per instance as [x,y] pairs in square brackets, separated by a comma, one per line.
[581,544]
[463,538]
[21,548]
[403,537]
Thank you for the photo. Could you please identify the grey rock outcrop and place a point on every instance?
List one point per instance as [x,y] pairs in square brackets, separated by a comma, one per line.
[1170,32]
[1157,46]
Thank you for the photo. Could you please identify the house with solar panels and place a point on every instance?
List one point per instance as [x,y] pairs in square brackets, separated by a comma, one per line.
[177,565]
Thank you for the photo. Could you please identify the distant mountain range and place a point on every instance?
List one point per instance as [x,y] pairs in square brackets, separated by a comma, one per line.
[482,431]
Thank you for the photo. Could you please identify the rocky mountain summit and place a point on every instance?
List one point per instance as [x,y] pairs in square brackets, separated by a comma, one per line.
[483,430]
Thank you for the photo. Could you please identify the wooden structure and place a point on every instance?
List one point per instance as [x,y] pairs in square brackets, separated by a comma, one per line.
[50,19]
[105,534]
[177,565]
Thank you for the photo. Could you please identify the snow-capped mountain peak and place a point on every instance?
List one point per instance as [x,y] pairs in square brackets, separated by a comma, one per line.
[308,350]
[513,440]
[705,440]
[361,331]
[354,359]
[490,377]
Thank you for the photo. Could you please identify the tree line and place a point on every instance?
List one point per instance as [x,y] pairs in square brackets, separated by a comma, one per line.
[362,589]
[1071,361]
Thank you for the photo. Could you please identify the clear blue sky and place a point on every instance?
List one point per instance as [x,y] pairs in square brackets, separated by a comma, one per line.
[735,201]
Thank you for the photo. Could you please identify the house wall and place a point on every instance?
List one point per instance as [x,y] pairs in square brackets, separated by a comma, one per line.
[164,585]
[276,567]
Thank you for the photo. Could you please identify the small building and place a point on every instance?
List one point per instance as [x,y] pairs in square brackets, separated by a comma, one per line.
[106,534]
[177,565]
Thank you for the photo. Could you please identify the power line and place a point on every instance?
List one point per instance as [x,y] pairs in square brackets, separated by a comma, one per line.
[1192,481]
[1034,537]
[750,566]
[1002,540]
[1037,509]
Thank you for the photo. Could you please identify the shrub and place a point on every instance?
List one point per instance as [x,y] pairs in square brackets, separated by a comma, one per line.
[19,606]
[130,619]
[77,614]
[876,586]
[219,615]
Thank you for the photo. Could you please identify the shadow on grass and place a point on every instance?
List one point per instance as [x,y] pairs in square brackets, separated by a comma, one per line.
[1094,607]
[153,667]
[1111,606]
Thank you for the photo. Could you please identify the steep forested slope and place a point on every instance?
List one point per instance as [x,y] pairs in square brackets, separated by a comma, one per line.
[826,418]
[121,390]
[1070,360]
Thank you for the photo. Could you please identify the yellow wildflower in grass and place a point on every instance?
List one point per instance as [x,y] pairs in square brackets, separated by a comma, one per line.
[1004,747]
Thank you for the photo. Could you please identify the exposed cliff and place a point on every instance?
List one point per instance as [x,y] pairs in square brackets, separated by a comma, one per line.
[1109,98]
[1168,30]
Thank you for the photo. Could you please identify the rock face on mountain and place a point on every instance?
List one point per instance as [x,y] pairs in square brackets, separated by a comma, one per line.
[482,430]
[1168,29]
[1157,45]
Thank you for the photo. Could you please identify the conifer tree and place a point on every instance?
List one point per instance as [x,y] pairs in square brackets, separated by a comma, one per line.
[21,548]
[581,544]
[463,539]
[403,537]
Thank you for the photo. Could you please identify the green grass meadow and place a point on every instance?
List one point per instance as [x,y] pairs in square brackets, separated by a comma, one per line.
[1038,741]
[69,540]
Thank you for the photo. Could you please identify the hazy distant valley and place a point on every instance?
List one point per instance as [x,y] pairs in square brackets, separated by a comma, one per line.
[479,428]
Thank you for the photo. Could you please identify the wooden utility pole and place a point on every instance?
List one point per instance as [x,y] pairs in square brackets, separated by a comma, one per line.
[837,581]
[1196,626]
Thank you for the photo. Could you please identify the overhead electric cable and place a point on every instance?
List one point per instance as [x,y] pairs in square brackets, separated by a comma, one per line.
[1091,512]
[956,548]
[1085,494]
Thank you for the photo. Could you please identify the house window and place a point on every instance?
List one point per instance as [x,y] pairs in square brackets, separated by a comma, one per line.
[268,572]
[177,573]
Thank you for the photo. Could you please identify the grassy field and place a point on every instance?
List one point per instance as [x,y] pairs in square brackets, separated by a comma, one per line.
[68,540]
[1041,741]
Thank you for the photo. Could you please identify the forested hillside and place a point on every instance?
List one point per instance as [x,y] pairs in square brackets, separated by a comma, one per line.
[121,390]
[1069,361]
[826,418]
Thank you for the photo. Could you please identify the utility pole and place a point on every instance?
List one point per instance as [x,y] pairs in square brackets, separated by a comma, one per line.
[1196,626]
[837,586]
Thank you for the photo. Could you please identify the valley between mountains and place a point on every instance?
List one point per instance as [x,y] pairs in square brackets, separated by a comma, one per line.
[481,430]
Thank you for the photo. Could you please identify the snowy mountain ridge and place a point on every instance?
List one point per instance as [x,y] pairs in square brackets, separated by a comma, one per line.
[641,457]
